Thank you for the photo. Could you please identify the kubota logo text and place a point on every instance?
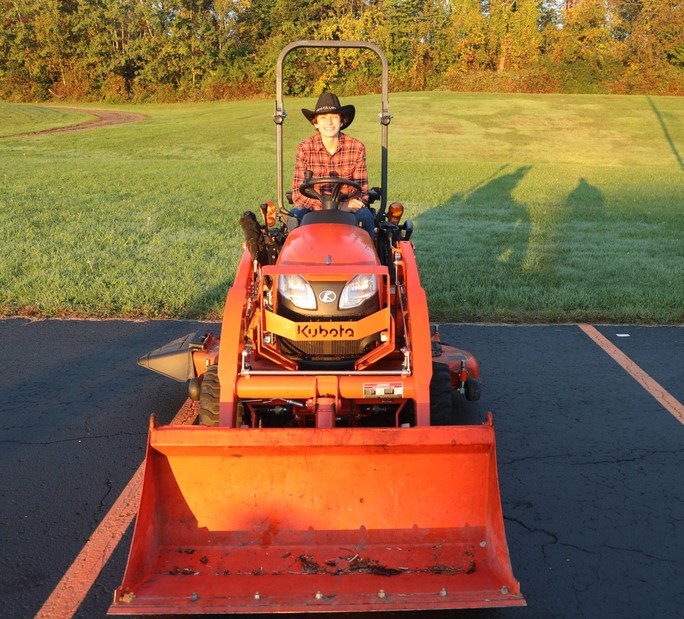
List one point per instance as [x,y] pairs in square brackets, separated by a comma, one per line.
[324,332]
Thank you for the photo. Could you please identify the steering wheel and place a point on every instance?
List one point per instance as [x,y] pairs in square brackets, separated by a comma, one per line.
[329,202]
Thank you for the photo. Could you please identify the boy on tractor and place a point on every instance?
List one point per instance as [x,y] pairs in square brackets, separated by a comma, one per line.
[331,153]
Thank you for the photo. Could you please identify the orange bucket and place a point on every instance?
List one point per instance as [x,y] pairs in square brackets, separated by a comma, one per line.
[318,520]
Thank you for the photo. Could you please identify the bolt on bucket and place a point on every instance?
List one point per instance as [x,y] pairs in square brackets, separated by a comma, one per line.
[318,520]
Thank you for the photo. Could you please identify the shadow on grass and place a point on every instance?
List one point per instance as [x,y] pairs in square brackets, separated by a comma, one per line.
[487,217]
[666,132]
[502,258]
[585,195]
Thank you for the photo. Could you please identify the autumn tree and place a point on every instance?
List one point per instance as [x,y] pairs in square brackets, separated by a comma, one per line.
[585,48]
[655,54]
[516,39]
[467,35]
[189,49]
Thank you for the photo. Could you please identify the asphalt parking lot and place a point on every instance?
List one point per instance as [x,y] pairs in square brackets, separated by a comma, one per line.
[590,462]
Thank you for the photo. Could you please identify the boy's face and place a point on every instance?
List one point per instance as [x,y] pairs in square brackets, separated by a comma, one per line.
[328,124]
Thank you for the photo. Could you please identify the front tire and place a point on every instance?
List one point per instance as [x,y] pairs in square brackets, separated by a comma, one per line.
[441,406]
[210,393]
[473,388]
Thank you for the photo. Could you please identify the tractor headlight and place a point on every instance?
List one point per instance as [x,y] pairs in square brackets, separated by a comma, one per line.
[358,290]
[297,290]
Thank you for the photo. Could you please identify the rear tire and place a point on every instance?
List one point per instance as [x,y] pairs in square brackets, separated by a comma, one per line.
[210,393]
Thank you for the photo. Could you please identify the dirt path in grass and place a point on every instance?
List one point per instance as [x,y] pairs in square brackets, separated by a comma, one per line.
[101,118]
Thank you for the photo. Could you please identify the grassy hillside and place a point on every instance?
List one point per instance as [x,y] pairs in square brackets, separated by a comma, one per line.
[526,208]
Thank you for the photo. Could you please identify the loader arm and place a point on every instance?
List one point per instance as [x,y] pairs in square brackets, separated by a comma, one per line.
[232,338]
[412,301]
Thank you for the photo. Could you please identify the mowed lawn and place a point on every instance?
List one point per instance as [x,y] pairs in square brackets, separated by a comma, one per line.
[526,208]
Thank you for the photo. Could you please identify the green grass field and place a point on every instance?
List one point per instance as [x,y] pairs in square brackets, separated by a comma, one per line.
[527,208]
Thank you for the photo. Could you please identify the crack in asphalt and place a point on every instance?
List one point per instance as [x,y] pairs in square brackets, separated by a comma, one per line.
[572,459]
[555,540]
[641,553]
[102,507]
[79,439]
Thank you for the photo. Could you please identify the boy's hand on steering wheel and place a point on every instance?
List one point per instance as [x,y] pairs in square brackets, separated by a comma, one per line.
[352,205]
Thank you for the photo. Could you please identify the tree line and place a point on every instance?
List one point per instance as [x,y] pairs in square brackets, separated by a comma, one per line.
[167,50]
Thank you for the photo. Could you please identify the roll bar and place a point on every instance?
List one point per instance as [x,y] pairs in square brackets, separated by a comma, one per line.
[280,113]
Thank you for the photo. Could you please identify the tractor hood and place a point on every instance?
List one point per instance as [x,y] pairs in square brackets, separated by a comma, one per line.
[334,244]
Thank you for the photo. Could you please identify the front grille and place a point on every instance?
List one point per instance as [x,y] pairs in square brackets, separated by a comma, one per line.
[324,351]
[334,351]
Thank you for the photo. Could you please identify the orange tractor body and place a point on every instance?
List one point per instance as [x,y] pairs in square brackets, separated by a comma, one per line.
[328,472]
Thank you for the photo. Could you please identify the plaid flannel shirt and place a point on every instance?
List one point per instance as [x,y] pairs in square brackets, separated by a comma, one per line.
[348,162]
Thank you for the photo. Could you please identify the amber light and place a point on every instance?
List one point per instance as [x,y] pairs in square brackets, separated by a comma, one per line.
[269,211]
[395,212]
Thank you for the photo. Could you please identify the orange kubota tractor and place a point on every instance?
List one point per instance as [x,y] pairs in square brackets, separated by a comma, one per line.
[324,474]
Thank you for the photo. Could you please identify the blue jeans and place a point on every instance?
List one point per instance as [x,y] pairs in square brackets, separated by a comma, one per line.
[363,216]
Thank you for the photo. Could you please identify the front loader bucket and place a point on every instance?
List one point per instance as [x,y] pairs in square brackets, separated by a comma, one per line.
[318,520]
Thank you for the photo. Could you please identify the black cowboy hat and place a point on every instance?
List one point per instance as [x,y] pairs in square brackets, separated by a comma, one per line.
[328,103]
